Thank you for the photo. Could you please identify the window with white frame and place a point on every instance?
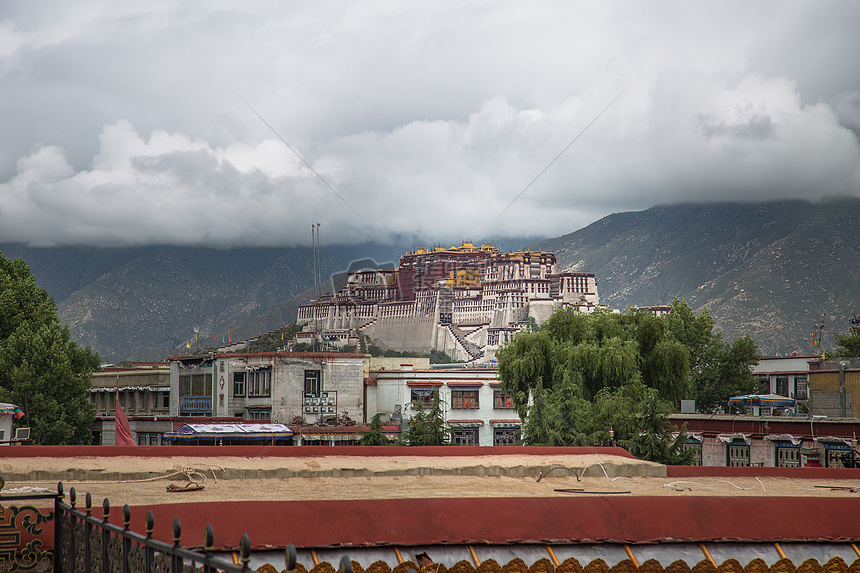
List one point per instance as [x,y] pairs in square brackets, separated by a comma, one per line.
[464,399]
[238,384]
[259,383]
[801,388]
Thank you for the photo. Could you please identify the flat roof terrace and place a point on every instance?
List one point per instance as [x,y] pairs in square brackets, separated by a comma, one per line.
[376,497]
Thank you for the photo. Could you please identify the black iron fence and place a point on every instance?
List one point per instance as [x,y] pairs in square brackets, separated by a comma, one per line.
[85,543]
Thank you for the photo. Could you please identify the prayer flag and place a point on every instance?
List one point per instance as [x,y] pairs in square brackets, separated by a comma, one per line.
[123,430]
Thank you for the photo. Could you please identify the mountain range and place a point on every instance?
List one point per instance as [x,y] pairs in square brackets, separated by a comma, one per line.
[771,270]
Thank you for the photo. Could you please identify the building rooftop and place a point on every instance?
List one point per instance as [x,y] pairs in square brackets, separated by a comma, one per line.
[478,505]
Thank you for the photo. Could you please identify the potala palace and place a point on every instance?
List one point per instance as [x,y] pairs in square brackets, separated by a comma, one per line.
[464,301]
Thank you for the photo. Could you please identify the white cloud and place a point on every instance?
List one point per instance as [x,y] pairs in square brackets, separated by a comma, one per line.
[122,126]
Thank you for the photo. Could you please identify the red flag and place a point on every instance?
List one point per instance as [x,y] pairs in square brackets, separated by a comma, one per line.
[123,430]
[230,334]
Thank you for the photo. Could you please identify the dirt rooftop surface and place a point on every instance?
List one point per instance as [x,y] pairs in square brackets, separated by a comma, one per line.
[139,480]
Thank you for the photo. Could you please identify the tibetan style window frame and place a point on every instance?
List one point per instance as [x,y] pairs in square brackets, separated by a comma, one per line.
[465,436]
[502,401]
[423,395]
[465,399]
[738,451]
[506,435]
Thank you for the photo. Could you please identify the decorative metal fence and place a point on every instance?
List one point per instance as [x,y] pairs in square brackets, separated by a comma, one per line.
[21,529]
[85,543]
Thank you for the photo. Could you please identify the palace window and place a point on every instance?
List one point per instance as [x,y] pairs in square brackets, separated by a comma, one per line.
[260,383]
[696,446]
[833,454]
[464,399]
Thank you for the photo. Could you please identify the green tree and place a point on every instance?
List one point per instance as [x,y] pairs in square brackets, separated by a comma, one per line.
[42,369]
[579,375]
[605,349]
[374,437]
[848,344]
[725,372]
[656,441]
[427,427]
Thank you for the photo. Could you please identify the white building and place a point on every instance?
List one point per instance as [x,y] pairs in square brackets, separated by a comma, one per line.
[474,407]
[784,375]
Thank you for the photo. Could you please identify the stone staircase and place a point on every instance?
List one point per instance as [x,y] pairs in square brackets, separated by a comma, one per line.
[473,350]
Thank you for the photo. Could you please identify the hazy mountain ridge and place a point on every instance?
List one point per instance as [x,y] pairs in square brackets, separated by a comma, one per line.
[769,270]
[143,302]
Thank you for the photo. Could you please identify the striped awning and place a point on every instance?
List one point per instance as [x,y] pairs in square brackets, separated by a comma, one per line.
[229,431]
[762,400]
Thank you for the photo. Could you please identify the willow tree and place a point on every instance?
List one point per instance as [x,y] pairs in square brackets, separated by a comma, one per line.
[601,350]
[581,374]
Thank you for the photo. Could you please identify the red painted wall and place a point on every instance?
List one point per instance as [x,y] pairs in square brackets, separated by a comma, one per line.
[302,451]
[515,520]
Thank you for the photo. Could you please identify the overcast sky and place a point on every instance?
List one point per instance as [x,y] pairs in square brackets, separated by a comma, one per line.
[123,123]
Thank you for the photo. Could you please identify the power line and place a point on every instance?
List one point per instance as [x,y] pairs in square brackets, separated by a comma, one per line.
[299,156]
[556,158]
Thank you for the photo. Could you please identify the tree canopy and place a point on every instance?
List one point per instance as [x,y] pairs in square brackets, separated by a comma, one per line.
[427,427]
[848,345]
[579,375]
[42,369]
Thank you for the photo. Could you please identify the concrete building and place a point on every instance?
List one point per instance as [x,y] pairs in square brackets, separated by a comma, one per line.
[785,376]
[474,407]
[281,387]
[144,395]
